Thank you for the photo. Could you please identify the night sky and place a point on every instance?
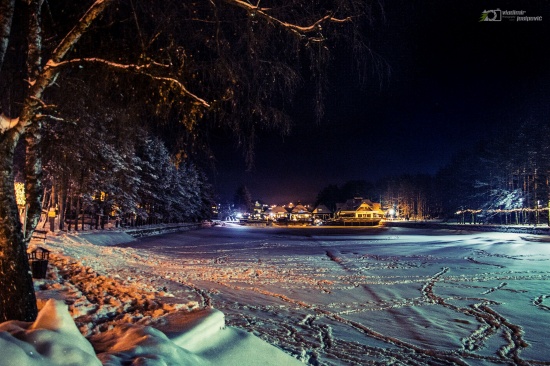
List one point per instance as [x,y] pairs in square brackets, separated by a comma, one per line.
[450,82]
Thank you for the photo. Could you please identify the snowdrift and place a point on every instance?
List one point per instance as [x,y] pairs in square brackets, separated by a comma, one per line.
[197,339]
[96,309]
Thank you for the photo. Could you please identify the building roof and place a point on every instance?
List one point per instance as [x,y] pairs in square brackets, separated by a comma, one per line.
[278,209]
[299,209]
[321,209]
[356,204]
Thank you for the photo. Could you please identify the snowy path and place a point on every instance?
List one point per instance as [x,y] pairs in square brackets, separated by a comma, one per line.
[358,296]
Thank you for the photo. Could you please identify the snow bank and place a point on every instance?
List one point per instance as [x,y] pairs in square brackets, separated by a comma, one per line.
[53,339]
[140,232]
[204,333]
[102,238]
[130,344]
[191,330]
[116,237]
[199,339]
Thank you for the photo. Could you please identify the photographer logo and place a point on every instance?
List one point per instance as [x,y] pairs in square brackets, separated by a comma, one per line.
[491,16]
[498,15]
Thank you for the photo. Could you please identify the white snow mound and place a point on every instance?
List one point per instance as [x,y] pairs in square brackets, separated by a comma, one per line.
[53,339]
[193,339]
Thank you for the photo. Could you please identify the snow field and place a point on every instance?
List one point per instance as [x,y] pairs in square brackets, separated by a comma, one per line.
[383,296]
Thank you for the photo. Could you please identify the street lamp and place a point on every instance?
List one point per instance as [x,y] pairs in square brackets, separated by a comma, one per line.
[537,213]
[20,194]
[21,204]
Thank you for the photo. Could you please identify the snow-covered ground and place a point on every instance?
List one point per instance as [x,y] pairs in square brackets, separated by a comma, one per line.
[325,296]
[99,306]
[352,296]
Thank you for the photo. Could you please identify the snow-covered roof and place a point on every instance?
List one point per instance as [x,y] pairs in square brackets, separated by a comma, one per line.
[278,209]
[299,209]
[321,209]
[356,204]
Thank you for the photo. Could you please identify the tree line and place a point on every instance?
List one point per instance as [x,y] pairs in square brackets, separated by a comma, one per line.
[504,180]
[108,162]
[104,168]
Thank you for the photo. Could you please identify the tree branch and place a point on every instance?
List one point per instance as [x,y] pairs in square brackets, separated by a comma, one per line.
[262,12]
[138,69]
[74,35]
[49,73]
[49,117]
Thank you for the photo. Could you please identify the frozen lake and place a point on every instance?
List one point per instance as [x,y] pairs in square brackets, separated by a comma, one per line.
[370,295]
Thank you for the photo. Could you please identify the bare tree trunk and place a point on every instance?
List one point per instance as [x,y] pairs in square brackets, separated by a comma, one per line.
[70,208]
[83,208]
[62,201]
[77,213]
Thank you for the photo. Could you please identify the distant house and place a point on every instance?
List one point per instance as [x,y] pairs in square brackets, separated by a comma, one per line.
[277,212]
[359,210]
[321,212]
[300,213]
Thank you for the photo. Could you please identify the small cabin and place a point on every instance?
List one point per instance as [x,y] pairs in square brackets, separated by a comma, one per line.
[359,208]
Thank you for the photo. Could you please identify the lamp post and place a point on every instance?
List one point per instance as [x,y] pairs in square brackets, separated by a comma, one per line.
[537,213]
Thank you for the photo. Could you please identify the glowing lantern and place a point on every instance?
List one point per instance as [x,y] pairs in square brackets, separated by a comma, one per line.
[20,194]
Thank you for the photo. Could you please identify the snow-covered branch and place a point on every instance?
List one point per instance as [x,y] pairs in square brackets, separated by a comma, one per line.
[49,117]
[44,105]
[49,73]
[6,123]
[303,29]
[138,69]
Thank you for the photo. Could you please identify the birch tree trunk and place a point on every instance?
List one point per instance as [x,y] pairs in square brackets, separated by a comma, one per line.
[17,297]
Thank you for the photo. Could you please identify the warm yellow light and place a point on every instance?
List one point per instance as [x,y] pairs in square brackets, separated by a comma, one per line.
[20,193]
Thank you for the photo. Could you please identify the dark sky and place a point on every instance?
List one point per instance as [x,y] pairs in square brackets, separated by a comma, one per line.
[451,81]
